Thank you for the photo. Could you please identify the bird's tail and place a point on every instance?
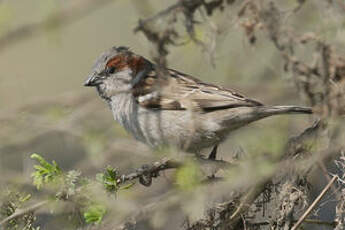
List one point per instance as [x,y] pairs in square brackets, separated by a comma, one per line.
[284,109]
[245,115]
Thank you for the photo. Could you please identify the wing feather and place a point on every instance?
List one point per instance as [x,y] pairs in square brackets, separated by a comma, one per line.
[183,91]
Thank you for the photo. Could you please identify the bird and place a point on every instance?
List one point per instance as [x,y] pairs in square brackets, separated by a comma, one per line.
[165,107]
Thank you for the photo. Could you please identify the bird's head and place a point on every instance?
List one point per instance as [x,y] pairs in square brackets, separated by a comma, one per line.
[115,71]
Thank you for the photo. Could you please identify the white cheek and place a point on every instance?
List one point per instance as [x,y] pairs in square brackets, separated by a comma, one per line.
[118,83]
[124,74]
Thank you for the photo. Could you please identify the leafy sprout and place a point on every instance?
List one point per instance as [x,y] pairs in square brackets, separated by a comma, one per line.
[44,171]
[110,180]
[94,214]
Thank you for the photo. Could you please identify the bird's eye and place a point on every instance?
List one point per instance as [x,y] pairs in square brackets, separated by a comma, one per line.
[110,69]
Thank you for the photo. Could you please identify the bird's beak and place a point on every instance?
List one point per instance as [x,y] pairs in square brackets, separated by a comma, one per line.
[93,80]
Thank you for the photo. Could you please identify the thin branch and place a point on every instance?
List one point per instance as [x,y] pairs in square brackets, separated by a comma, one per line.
[246,202]
[146,172]
[21,212]
[161,38]
[326,174]
[321,222]
[162,13]
[299,222]
[309,221]
[186,7]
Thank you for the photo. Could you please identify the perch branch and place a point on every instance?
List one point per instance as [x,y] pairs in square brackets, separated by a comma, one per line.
[146,172]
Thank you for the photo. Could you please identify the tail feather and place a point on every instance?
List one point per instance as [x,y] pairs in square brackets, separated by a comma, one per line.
[285,109]
[245,115]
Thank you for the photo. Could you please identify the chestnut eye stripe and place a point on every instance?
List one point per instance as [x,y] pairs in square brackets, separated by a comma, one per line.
[121,62]
[116,63]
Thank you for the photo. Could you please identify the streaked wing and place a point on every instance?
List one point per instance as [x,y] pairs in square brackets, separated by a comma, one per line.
[182,91]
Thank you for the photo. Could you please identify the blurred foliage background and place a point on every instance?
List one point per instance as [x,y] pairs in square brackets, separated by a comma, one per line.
[45,109]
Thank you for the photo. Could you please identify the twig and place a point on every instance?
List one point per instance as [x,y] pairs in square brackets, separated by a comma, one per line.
[321,222]
[146,172]
[309,221]
[162,13]
[301,219]
[326,174]
[246,202]
[21,212]
[186,7]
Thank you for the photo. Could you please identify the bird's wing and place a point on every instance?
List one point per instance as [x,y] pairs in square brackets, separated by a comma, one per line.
[180,91]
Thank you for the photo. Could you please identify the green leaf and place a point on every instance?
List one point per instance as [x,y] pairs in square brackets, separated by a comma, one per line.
[25,198]
[94,214]
[127,186]
[44,171]
[109,179]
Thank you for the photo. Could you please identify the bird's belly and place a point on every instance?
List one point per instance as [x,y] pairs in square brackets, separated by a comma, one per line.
[180,129]
[186,130]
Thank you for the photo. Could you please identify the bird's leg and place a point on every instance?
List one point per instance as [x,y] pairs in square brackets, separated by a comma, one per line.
[213,153]
[212,156]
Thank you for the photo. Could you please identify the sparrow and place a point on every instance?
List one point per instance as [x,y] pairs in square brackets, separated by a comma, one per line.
[173,108]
